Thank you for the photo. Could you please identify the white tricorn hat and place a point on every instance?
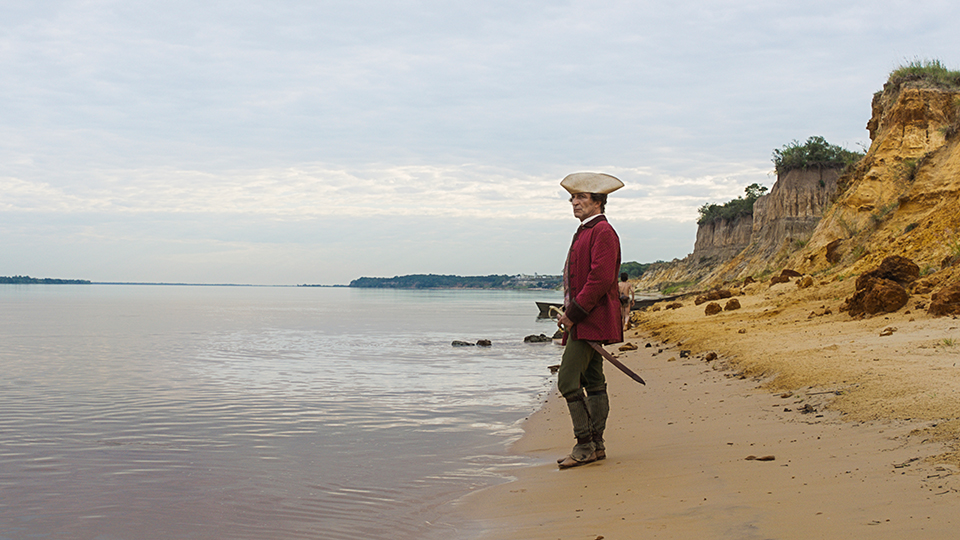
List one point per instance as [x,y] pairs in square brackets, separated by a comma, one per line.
[588,182]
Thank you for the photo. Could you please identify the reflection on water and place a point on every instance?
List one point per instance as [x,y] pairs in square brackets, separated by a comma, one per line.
[225,412]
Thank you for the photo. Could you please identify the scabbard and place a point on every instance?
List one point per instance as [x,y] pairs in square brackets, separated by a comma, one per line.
[603,352]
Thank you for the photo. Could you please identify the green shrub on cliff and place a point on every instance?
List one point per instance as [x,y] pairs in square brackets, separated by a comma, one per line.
[741,206]
[816,153]
[928,73]
[634,270]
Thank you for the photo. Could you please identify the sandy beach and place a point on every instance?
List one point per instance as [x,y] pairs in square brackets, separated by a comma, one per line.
[808,424]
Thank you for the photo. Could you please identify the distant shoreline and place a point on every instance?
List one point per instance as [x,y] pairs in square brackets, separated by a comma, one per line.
[27,280]
[446,281]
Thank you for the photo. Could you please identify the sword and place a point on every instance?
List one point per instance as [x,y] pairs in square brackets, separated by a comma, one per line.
[603,352]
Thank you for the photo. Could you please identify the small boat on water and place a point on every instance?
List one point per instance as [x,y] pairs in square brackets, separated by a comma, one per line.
[544,308]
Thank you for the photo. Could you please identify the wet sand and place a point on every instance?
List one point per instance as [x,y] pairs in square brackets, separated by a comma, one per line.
[679,448]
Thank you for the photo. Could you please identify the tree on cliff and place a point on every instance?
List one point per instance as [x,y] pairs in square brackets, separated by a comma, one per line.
[739,207]
[634,270]
[816,153]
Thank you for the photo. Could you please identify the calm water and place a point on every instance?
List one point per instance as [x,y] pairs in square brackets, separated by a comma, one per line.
[148,412]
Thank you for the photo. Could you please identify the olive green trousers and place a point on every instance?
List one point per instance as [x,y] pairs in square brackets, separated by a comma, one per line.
[580,367]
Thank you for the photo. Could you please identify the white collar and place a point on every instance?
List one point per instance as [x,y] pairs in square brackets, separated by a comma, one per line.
[589,219]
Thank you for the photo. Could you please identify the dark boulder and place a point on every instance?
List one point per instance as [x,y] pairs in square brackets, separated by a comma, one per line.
[712,309]
[895,268]
[458,343]
[946,301]
[542,338]
[876,295]
[732,304]
[881,290]
[712,296]
[484,343]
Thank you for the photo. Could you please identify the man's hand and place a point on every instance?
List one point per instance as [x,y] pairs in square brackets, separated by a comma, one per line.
[565,323]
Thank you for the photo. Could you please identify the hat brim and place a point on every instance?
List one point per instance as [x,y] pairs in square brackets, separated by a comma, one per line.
[585,182]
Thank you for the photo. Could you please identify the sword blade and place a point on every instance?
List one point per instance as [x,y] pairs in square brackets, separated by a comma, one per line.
[603,352]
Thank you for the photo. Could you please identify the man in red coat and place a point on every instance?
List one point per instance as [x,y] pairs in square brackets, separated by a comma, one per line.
[591,314]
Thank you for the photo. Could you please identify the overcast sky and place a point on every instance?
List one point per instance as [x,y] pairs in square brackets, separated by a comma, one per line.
[304,141]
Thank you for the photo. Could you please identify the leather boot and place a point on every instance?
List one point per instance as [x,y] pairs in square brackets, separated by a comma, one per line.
[584,451]
[598,407]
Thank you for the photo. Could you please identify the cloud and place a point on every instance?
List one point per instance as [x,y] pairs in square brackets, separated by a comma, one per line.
[180,83]
[201,129]
[311,191]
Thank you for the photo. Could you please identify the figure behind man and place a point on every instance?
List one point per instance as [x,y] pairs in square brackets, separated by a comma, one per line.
[626,299]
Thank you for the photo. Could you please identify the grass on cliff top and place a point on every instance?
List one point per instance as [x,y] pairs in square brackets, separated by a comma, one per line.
[925,73]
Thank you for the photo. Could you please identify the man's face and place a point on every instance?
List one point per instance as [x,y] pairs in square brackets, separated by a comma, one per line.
[584,206]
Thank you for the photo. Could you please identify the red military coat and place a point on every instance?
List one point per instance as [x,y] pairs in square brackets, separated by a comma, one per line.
[591,299]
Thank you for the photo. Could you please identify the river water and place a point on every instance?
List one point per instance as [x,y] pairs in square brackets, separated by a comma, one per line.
[142,412]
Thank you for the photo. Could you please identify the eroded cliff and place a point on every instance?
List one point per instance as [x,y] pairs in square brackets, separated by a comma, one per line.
[902,198]
[724,238]
[732,249]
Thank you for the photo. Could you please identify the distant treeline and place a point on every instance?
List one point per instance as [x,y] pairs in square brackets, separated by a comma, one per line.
[495,281]
[434,281]
[44,281]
